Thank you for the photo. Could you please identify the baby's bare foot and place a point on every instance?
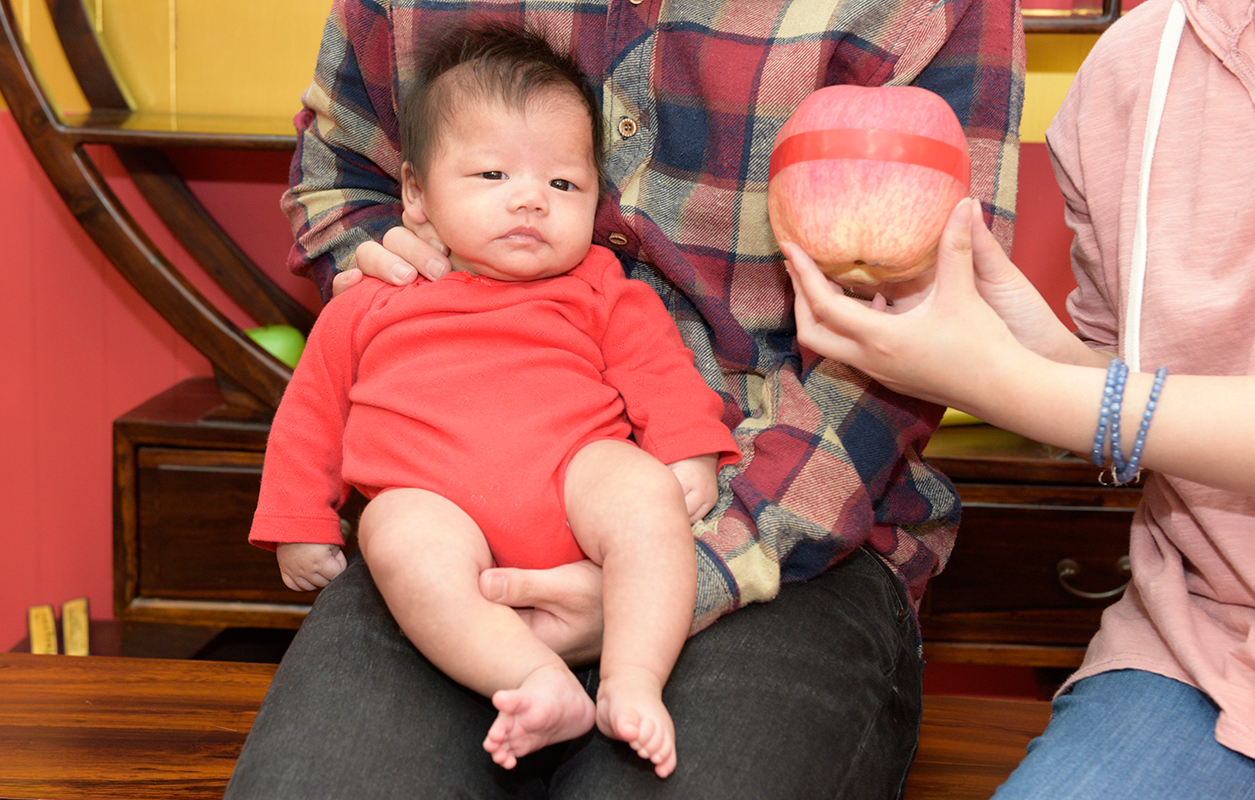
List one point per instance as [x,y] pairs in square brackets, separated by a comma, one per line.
[629,707]
[550,706]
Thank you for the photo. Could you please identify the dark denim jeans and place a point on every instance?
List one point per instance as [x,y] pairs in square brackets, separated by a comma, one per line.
[814,695]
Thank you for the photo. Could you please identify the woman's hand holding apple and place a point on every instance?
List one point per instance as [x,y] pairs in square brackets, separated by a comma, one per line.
[1030,318]
[937,350]
[1000,284]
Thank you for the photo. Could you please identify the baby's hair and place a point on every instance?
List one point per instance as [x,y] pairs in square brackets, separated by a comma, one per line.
[504,64]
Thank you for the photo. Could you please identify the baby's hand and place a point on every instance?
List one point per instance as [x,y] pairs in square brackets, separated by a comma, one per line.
[306,567]
[699,476]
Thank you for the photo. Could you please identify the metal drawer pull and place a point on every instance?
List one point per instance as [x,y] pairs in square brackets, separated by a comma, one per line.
[1068,568]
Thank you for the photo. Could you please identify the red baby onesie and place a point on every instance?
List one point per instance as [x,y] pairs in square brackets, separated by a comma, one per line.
[481,391]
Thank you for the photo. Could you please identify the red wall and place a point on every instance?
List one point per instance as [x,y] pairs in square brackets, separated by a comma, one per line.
[80,348]
[1042,239]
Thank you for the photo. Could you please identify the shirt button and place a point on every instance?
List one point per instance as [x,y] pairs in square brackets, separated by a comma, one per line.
[627,127]
[617,239]
[635,2]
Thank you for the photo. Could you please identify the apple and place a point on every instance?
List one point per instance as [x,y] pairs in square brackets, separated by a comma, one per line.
[864,178]
[282,341]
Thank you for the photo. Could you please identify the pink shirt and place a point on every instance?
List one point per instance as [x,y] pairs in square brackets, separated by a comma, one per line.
[1189,612]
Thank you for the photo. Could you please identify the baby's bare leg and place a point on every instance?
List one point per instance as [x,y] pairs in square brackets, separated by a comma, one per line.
[425,555]
[628,514]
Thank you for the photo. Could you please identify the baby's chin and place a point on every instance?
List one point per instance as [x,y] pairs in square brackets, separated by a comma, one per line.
[514,270]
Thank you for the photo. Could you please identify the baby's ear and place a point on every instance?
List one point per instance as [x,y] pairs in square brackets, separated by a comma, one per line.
[411,192]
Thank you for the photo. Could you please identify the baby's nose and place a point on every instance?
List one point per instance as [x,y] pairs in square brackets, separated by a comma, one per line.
[529,196]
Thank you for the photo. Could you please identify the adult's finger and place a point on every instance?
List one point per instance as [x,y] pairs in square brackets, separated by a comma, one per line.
[570,586]
[418,245]
[809,281]
[955,266]
[565,605]
[828,322]
[345,280]
[378,261]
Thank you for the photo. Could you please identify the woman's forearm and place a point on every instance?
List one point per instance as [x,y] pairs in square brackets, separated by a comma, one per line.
[1201,429]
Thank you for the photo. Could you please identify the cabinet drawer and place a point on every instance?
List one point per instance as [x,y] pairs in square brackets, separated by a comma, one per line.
[195,509]
[185,488]
[1017,547]
[1008,558]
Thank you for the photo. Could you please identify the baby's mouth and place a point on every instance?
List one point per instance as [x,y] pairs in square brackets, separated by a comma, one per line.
[523,234]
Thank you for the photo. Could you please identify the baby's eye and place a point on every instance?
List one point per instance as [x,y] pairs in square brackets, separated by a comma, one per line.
[493,175]
[562,185]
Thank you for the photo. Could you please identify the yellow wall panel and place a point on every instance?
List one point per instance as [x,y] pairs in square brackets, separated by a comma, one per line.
[232,57]
[1053,59]
[255,57]
[41,40]
[251,57]
[136,38]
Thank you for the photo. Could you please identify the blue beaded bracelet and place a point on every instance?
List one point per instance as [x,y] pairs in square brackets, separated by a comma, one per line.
[1116,451]
[1122,470]
[1128,472]
[1109,412]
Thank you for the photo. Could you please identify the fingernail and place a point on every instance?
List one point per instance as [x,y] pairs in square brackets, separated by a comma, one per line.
[402,272]
[965,208]
[496,588]
[437,267]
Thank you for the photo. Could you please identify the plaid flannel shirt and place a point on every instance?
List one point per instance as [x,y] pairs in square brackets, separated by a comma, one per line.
[694,94]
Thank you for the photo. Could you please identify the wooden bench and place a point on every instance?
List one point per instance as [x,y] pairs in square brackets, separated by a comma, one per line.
[93,728]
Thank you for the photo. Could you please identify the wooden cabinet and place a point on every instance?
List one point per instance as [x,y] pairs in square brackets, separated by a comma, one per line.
[185,487]
[186,484]
[1041,551]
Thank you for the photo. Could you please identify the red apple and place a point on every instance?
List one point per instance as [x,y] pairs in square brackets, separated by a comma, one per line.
[863,179]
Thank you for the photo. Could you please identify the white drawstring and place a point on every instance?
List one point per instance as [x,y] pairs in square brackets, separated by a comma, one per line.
[1158,96]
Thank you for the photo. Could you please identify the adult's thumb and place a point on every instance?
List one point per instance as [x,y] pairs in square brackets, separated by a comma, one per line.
[512,587]
[954,253]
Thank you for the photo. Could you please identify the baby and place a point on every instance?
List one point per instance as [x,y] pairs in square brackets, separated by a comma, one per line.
[534,407]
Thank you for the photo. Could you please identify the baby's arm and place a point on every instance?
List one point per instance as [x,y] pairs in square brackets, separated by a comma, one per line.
[672,410]
[302,483]
[699,477]
[306,567]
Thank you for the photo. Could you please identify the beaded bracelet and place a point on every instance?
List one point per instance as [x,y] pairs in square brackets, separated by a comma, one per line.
[1112,397]
[1123,471]
[1128,472]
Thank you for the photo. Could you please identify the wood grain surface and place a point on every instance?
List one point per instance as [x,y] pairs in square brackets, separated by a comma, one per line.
[97,728]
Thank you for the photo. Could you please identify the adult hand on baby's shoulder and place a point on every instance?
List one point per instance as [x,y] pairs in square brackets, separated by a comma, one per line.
[561,605]
[405,252]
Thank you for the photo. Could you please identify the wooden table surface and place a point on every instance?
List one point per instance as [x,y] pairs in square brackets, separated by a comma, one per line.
[95,728]
[968,746]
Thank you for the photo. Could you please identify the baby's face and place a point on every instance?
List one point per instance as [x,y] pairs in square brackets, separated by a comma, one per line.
[513,193]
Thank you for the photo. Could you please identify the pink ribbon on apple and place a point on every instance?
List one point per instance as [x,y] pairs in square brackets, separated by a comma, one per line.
[873,143]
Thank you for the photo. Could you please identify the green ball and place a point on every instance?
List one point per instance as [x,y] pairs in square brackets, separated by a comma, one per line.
[282,341]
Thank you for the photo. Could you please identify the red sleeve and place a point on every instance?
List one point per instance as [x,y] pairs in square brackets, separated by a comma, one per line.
[302,486]
[674,414]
